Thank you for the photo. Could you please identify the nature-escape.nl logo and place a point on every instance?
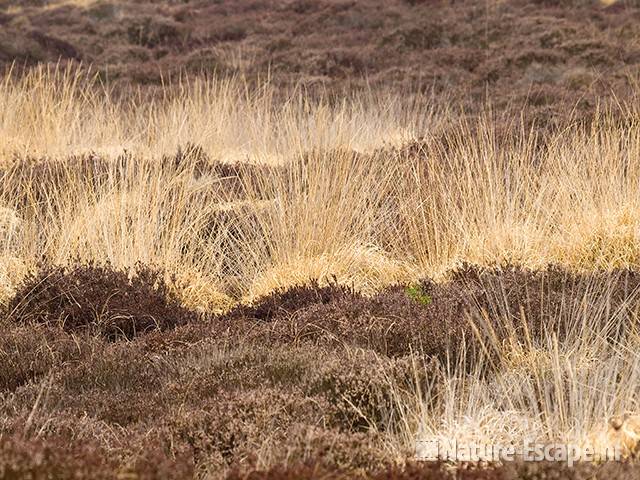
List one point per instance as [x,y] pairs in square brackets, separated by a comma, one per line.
[432,449]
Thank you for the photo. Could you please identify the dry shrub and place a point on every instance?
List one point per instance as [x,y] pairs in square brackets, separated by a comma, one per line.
[116,383]
[314,469]
[291,472]
[391,322]
[352,390]
[20,458]
[310,376]
[29,181]
[55,45]
[30,352]
[154,31]
[394,323]
[228,363]
[547,301]
[285,302]
[99,299]
[336,450]
[263,427]
[57,458]
[357,389]
[113,383]
[219,403]
[235,427]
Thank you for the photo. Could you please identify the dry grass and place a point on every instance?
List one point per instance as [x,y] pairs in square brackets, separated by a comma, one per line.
[58,111]
[561,387]
[347,203]
[367,192]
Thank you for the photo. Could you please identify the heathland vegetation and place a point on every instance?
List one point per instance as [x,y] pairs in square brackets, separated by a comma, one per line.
[224,274]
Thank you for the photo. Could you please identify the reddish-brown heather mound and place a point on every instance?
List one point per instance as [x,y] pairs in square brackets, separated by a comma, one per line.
[54,458]
[92,169]
[309,376]
[394,323]
[100,299]
[283,303]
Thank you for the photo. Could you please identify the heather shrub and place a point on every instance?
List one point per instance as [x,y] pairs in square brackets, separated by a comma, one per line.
[291,472]
[56,458]
[98,299]
[283,303]
[250,364]
[152,31]
[114,383]
[234,427]
[545,301]
[389,323]
[443,320]
[314,468]
[28,353]
[335,449]
[360,389]
[32,181]
[317,378]
[357,402]
[122,408]
[38,460]
[245,429]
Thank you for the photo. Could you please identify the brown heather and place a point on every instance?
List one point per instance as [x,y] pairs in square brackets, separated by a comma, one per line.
[392,323]
[54,458]
[100,299]
[281,382]
[467,49]
[440,471]
[279,240]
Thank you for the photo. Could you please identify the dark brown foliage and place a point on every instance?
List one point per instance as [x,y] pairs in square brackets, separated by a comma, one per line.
[55,46]
[55,458]
[548,301]
[394,324]
[284,303]
[28,352]
[34,183]
[311,375]
[99,299]
[203,396]
[21,458]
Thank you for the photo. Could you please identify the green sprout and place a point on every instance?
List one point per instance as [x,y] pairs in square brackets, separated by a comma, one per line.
[416,293]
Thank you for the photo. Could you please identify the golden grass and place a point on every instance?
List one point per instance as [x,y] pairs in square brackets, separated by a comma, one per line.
[58,111]
[364,267]
[560,389]
[349,208]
